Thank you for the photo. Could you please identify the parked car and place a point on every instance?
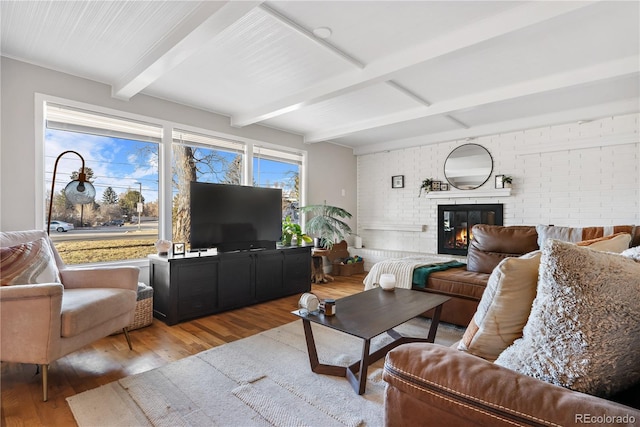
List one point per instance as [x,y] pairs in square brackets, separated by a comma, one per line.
[117,222]
[60,226]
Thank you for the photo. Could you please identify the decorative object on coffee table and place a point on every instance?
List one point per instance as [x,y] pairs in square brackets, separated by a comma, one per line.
[387,282]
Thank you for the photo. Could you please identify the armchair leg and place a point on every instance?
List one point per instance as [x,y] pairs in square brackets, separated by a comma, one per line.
[126,334]
[45,382]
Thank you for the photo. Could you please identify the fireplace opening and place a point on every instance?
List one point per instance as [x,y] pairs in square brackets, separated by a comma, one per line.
[455,223]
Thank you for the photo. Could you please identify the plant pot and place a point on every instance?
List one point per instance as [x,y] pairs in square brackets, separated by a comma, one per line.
[317,242]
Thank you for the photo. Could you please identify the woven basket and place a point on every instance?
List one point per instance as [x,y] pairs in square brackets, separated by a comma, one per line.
[143,315]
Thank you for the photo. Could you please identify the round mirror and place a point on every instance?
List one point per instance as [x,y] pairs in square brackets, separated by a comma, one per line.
[468,166]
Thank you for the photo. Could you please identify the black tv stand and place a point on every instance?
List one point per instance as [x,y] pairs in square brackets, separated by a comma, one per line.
[195,285]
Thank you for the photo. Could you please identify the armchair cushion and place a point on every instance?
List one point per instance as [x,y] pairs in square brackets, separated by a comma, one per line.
[583,329]
[28,263]
[83,309]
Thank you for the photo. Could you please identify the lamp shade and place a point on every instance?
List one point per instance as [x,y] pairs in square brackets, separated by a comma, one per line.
[79,192]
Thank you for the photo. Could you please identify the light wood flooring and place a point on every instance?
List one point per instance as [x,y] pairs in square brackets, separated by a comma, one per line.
[110,359]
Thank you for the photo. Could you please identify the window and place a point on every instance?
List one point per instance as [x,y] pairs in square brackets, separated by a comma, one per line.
[200,158]
[123,156]
[121,161]
[280,169]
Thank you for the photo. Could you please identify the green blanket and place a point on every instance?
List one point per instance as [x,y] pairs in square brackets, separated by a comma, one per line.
[421,274]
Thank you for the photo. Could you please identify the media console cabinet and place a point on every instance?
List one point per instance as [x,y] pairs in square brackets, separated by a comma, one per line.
[189,286]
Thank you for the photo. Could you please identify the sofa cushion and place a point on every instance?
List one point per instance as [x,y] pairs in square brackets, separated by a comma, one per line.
[584,324]
[28,263]
[504,308]
[82,309]
[613,243]
[492,243]
[577,234]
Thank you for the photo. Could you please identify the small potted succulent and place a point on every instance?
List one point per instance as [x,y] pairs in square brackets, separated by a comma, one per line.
[507,181]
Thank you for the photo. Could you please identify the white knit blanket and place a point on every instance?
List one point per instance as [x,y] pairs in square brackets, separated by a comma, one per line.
[402,268]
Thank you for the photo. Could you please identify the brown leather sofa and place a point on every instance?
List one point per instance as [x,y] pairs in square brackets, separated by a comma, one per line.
[490,245]
[432,385]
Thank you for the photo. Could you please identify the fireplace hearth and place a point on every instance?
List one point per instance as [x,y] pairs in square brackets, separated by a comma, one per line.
[456,221]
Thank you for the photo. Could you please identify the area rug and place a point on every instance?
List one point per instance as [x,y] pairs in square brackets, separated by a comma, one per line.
[262,380]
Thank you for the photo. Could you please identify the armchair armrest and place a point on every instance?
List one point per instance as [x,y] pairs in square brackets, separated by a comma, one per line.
[101,277]
[30,322]
[434,385]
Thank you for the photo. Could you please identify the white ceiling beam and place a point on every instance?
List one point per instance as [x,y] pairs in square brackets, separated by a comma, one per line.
[592,112]
[498,25]
[603,71]
[202,25]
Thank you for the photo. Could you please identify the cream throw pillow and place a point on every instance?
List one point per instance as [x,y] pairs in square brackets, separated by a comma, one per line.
[28,263]
[584,325]
[504,308]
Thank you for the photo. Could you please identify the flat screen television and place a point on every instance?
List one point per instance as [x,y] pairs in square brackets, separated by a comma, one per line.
[235,217]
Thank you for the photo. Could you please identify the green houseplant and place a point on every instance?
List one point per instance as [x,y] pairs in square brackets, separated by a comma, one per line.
[326,223]
[426,186]
[290,229]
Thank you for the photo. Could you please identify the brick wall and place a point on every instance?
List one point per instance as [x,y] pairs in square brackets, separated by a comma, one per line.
[573,174]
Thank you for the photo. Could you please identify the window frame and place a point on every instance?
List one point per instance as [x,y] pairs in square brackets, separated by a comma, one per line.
[165,160]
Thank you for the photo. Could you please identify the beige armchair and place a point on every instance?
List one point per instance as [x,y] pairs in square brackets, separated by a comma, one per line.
[40,323]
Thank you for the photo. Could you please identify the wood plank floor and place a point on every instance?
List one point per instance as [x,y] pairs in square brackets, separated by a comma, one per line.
[110,359]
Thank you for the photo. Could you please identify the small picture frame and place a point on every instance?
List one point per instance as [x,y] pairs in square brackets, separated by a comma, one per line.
[436,186]
[499,181]
[444,186]
[178,248]
[397,181]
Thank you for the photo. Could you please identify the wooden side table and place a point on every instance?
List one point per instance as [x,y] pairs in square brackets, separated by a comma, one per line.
[317,270]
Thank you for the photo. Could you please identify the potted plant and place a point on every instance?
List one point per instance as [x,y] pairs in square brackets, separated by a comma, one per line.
[426,186]
[326,223]
[506,181]
[290,229]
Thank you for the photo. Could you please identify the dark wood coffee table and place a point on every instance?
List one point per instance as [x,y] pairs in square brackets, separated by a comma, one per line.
[367,315]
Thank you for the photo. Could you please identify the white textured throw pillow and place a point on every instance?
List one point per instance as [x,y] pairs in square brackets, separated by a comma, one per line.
[504,308]
[584,324]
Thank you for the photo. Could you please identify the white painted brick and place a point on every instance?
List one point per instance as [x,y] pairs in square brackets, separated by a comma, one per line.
[577,186]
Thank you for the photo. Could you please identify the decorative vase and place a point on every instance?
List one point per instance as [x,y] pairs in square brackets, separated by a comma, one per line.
[387,282]
[163,246]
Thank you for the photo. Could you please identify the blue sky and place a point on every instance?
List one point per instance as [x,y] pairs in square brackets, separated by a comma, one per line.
[121,163]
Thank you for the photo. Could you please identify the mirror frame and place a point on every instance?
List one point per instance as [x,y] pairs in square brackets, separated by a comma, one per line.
[451,182]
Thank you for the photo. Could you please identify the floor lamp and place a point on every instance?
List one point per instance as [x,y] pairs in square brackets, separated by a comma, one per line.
[79,191]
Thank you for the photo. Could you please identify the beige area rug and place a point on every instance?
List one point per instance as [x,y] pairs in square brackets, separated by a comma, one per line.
[262,380]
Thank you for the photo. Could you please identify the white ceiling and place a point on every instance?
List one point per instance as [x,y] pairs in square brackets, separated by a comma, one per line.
[392,74]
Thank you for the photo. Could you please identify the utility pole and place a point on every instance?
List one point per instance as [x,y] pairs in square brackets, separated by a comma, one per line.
[139,207]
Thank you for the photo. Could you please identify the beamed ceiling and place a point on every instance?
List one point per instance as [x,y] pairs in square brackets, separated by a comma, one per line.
[391,74]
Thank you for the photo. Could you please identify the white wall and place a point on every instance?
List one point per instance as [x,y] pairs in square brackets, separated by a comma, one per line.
[576,174]
[330,168]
